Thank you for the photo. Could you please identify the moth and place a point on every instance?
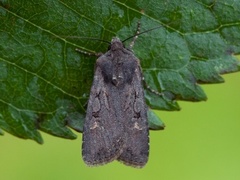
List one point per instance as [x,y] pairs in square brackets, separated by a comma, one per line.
[116,125]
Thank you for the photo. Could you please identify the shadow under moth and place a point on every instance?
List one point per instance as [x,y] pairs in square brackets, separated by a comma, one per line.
[116,125]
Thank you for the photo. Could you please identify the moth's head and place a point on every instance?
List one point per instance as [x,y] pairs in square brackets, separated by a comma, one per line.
[116,44]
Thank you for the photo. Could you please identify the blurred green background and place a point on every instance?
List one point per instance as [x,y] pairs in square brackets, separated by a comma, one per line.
[200,142]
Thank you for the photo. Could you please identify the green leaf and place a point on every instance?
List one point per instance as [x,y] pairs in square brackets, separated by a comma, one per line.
[45,83]
[155,123]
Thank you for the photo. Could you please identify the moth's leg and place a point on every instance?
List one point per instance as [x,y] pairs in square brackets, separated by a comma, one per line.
[136,36]
[89,53]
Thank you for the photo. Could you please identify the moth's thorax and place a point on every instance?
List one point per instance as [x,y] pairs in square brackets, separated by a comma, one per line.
[118,65]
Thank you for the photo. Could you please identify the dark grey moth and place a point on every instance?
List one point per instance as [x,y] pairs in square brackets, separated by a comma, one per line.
[116,126]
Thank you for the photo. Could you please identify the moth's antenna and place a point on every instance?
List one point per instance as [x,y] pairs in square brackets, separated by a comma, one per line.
[90,38]
[141,33]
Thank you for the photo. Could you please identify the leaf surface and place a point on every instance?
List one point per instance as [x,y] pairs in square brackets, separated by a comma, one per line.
[45,83]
